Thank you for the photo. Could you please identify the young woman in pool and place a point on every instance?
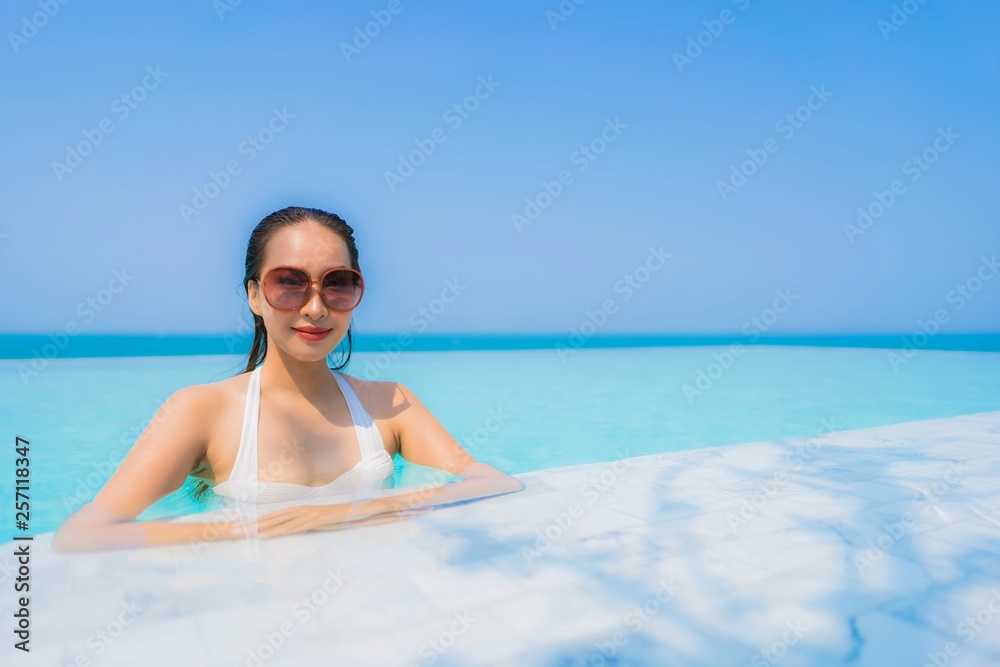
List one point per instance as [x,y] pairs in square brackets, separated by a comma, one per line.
[302,282]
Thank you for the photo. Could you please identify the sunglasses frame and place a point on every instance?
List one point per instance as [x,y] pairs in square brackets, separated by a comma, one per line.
[317,283]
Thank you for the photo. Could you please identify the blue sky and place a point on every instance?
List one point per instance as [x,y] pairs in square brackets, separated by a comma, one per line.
[711,156]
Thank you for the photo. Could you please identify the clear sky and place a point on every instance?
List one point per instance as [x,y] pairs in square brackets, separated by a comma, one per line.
[651,166]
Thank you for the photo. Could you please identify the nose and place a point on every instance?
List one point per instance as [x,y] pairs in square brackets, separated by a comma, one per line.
[314,307]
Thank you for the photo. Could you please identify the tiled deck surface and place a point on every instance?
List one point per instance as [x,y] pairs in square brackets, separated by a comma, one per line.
[871,547]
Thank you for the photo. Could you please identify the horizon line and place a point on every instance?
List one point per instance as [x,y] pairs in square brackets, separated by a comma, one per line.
[121,344]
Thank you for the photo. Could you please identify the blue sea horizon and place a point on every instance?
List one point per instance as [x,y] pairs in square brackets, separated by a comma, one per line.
[62,345]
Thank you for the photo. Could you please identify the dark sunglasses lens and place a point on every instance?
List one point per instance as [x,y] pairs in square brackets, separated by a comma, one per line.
[286,289]
[342,290]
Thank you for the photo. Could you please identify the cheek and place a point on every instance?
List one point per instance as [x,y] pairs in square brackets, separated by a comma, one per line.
[276,323]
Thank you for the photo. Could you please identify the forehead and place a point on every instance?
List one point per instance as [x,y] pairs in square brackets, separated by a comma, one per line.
[308,245]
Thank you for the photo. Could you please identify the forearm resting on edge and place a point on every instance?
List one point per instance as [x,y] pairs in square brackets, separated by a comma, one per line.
[92,528]
[471,488]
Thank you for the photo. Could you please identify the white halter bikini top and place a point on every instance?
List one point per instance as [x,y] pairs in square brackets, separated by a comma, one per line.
[365,480]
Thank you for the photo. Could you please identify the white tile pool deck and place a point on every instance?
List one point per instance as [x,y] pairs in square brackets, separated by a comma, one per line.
[869,547]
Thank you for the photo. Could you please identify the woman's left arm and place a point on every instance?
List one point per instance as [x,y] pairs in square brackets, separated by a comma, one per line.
[424,441]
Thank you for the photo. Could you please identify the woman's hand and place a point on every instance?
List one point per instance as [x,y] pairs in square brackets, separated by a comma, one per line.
[302,518]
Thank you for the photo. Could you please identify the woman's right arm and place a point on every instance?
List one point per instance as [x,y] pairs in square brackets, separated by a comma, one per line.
[156,465]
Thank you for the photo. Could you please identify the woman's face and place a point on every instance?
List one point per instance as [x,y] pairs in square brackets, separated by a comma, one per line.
[314,249]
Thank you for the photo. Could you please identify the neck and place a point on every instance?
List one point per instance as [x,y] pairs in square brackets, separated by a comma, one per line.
[284,373]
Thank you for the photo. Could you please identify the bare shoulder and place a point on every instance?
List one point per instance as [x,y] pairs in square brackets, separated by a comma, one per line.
[207,412]
[223,390]
[222,399]
[190,399]
[381,395]
[202,406]
[195,404]
[213,395]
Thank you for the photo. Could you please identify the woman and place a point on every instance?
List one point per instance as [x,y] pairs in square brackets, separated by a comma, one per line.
[302,282]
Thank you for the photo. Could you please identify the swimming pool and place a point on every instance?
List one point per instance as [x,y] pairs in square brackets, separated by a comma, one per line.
[519,410]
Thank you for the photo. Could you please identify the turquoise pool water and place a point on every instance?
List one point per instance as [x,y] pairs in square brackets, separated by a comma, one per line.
[518,410]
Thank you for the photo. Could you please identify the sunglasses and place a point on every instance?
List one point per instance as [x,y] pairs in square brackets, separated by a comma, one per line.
[288,288]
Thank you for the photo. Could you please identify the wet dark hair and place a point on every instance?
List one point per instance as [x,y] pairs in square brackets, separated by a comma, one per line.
[261,235]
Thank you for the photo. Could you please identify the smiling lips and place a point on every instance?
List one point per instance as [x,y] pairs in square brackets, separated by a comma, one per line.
[312,333]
